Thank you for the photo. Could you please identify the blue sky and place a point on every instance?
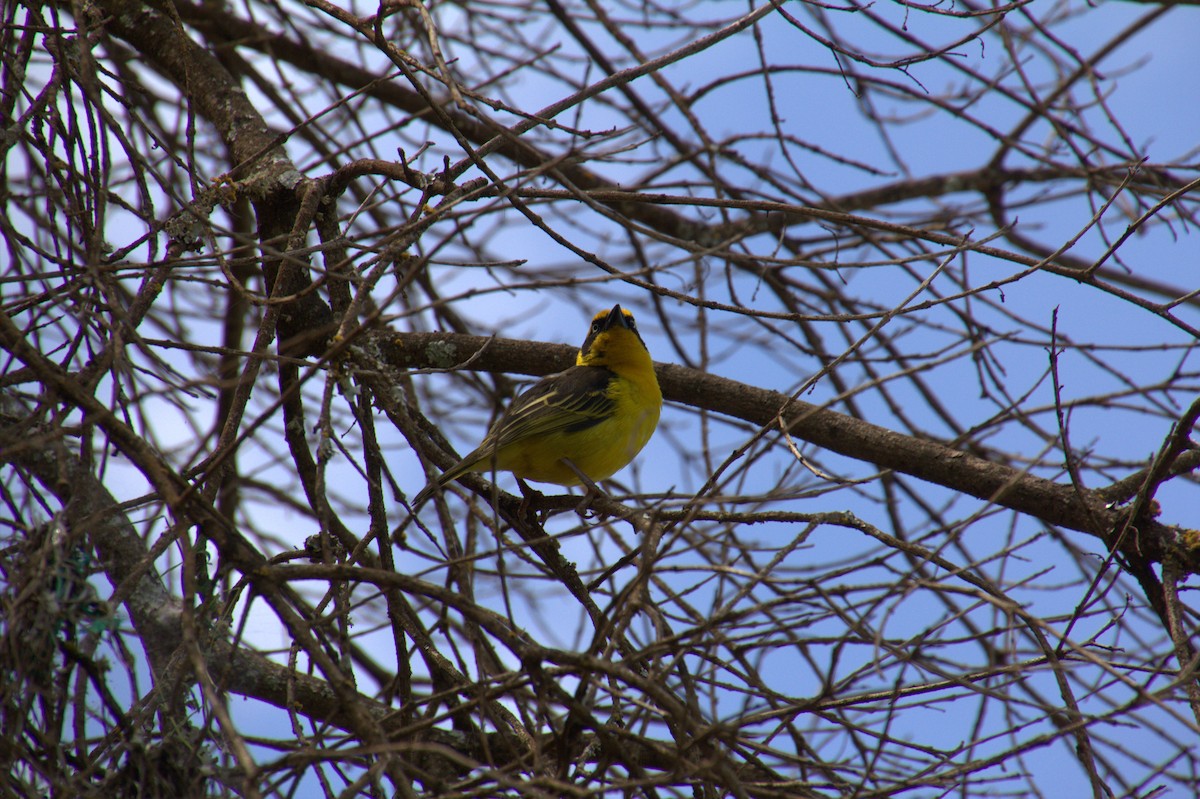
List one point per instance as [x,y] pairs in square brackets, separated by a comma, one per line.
[1153,95]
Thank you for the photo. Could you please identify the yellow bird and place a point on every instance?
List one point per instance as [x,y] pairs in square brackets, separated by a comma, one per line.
[592,418]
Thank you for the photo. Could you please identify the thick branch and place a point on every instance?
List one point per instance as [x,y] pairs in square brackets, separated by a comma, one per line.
[1053,503]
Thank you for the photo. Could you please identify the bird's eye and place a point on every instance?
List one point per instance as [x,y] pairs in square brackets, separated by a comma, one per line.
[632,324]
[597,326]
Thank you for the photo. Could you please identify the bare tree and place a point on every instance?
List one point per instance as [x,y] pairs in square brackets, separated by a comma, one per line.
[920,280]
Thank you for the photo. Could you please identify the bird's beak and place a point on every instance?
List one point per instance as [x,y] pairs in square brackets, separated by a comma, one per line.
[615,318]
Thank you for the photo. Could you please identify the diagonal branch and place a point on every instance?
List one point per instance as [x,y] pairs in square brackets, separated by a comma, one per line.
[1089,511]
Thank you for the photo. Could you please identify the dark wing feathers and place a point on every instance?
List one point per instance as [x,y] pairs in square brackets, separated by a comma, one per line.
[560,403]
[566,402]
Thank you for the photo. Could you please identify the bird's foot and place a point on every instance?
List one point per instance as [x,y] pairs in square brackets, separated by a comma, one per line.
[528,496]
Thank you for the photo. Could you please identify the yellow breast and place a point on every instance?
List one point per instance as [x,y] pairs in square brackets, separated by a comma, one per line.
[600,450]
